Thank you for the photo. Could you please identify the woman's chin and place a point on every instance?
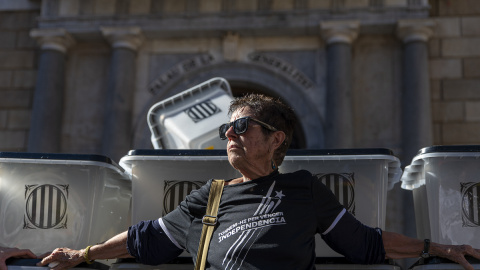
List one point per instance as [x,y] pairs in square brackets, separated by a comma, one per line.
[234,160]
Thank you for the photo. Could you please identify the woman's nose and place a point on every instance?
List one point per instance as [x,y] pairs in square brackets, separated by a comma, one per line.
[230,133]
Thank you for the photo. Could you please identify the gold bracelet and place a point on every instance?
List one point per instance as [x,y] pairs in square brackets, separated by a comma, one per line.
[85,255]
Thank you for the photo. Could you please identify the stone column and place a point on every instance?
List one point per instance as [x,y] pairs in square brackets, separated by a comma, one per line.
[339,36]
[416,108]
[47,111]
[125,42]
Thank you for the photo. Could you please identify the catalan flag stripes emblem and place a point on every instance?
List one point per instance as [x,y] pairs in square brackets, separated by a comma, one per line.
[45,206]
[343,186]
[470,204]
[176,191]
[202,110]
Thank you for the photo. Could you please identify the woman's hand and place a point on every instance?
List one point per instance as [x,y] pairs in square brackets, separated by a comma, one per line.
[455,253]
[6,253]
[63,258]
[398,246]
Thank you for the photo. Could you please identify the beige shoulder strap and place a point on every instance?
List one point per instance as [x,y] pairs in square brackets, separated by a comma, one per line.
[209,221]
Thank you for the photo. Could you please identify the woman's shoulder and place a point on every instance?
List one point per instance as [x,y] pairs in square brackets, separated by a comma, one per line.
[300,177]
[300,173]
[201,193]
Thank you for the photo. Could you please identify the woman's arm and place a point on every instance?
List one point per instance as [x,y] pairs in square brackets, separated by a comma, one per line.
[115,247]
[398,246]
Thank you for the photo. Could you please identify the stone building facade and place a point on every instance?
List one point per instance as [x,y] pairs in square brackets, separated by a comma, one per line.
[18,70]
[454,59]
[316,55]
[79,76]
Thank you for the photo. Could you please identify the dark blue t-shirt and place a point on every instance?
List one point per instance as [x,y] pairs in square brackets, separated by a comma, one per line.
[268,223]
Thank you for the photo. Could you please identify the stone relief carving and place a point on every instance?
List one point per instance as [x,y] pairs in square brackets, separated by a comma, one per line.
[279,65]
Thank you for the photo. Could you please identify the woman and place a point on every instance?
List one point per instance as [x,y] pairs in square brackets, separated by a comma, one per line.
[266,220]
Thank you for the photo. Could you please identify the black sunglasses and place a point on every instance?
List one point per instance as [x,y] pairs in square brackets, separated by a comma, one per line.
[241,125]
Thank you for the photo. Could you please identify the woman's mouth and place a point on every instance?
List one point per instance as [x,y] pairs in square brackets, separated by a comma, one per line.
[232,146]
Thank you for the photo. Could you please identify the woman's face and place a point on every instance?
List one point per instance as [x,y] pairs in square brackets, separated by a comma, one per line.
[252,151]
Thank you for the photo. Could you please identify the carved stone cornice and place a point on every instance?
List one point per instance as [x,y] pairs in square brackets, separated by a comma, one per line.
[339,31]
[57,39]
[415,30]
[123,37]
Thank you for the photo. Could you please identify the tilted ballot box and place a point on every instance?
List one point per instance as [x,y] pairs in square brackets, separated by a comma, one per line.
[190,119]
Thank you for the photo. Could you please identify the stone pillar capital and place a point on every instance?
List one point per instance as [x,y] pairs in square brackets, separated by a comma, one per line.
[339,31]
[54,39]
[124,37]
[415,30]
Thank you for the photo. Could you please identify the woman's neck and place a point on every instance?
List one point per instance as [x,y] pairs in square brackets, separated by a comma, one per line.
[248,177]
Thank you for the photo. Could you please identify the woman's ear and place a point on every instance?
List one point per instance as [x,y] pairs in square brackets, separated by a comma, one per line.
[279,137]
